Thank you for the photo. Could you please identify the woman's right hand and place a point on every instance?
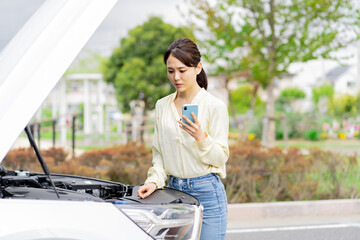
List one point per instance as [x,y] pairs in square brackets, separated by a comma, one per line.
[146,189]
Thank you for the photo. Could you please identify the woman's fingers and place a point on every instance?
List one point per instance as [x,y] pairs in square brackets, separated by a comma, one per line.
[193,128]
[145,190]
[188,120]
[196,120]
[141,191]
[188,128]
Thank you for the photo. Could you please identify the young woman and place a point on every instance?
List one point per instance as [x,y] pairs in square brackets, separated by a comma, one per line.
[191,156]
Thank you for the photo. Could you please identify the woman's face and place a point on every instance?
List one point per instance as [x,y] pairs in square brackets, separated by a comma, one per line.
[181,76]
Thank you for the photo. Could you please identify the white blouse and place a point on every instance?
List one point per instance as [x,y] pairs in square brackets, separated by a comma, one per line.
[177,153]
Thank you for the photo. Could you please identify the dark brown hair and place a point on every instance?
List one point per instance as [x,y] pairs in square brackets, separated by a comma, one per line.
[187,52]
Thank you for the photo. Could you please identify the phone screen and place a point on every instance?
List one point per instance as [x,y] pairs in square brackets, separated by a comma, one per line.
[187,109]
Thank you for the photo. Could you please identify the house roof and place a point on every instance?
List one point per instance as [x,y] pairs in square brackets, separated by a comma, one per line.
[336,72]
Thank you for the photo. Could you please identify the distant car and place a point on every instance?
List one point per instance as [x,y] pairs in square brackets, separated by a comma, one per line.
[56,206]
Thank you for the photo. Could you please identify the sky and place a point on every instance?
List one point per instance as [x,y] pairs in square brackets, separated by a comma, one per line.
[124,16]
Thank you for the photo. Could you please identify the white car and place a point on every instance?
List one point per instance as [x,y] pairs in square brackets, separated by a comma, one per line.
[54,206]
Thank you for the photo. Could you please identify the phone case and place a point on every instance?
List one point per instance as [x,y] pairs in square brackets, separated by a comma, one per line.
[187,109]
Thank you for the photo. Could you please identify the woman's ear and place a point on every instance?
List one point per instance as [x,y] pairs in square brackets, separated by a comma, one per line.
[198,68]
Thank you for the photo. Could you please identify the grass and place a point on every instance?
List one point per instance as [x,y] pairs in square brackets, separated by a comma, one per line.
[88,148]
[98,141]
[323,144]
[78,136]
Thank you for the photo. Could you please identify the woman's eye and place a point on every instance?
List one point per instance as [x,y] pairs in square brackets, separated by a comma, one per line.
[170,71]
[182,71]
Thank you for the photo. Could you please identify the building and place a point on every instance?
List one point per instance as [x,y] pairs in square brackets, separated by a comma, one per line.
[87,96]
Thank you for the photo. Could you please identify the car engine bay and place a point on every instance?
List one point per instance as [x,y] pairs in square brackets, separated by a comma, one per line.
[28,185]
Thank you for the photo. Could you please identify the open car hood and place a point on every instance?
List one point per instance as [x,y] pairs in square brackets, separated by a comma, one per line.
[37,57]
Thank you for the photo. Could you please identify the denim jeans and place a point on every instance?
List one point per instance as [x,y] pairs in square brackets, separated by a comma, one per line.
[211,192]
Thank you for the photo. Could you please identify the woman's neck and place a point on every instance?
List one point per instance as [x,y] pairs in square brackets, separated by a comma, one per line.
[188,95]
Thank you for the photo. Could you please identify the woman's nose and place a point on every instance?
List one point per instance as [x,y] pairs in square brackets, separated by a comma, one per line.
[177,75]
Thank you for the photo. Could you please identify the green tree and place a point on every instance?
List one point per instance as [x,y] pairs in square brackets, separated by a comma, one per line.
[289,97]
[89,62]
[323,91]
[346,106]
[242,98]
[323,98]
[136,67]
[265,37]
[245,101]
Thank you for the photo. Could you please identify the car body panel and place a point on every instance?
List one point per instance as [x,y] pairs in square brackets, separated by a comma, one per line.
[30,66]
[39,54]
[65,220]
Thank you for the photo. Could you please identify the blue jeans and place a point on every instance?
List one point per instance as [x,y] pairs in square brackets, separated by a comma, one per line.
[211,192]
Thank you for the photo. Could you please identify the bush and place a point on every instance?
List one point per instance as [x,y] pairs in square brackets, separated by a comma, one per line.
[21,158]
[127,163]
[254,173]
[294,122]
[313,135]
[258,174]
[25,158]
[130,164]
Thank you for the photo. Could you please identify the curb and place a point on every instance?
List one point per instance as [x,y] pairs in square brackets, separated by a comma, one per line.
[321,208]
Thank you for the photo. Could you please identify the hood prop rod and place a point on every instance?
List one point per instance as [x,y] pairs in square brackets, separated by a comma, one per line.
[40,158]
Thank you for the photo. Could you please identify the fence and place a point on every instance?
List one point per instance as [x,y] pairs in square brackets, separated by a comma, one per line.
[35,129]
[131,129]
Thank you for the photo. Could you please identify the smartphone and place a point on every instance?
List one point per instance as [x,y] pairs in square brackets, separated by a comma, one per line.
[187,109]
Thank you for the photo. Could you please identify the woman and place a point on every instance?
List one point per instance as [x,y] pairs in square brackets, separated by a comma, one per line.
[194,155]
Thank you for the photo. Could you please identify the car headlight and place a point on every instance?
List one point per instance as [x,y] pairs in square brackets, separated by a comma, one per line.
[173,221]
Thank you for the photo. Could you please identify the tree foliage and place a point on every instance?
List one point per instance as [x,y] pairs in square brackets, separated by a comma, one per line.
[242,97]
[136,67]
[323,91]
[88,62]
[323,98]
[288,98]
[265,37]
[292,94]
[346,106]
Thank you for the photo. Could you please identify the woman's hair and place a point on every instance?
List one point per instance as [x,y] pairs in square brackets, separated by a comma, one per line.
[187,52]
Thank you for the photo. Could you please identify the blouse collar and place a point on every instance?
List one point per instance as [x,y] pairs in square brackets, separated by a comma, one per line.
[195,100]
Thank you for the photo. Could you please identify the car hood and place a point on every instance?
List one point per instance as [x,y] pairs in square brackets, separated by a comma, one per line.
[37,57]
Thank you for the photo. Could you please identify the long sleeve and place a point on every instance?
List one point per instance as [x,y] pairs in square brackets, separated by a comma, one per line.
[214,149]
[157,172]
[177,153]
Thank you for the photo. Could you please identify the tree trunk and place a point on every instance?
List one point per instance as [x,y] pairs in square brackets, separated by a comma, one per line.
[233,112]
[231,103]
[254,94]
[270,106]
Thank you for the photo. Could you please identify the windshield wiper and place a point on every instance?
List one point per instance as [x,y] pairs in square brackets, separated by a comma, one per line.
[40,158]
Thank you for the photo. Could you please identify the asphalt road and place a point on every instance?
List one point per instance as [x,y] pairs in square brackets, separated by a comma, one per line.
[302,220]
[342,231]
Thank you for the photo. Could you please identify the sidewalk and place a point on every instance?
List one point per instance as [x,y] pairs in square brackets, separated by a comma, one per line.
[255,215]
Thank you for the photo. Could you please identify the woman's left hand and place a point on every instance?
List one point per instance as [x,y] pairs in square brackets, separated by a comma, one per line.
[193,128]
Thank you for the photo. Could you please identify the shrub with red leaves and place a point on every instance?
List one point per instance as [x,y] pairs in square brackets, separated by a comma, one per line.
[254,173]
[258,174]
